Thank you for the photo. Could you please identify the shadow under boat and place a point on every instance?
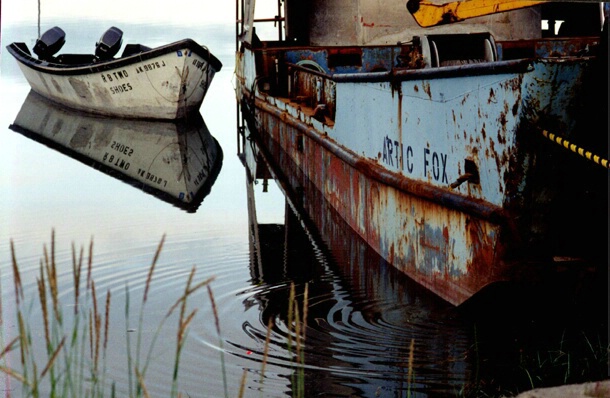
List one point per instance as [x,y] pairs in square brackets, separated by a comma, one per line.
[176,161]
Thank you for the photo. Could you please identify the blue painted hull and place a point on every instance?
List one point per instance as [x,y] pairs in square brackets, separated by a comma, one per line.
[443,170]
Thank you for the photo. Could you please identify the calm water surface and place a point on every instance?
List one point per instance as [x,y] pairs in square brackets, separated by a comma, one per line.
[362,316]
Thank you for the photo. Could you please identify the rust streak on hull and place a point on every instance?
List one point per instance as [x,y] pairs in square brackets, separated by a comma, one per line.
[372,170]
[394,215]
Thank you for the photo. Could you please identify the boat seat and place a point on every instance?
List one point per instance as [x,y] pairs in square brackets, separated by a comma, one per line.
[76,59]
[132,49]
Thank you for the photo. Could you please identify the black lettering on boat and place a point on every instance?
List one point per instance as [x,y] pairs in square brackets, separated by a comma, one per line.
[116,161]
[436,166]
[409,157]
[395,153]
[388,150]
[398,151]
[150,66]
[122,74]
[122,88]
[122,164]
[199,64]
[201,176]
[111,77]
[445,179]
[121,148]
[437,163]
[152,178]
[426,162]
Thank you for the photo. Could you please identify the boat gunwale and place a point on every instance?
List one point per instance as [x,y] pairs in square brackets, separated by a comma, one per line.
[516,65]
[522,65]
[402,74]
[441,196]
[86,69]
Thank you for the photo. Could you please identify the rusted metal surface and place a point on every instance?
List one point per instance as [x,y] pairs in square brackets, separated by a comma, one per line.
[372,170]
[414,233]
[441,170]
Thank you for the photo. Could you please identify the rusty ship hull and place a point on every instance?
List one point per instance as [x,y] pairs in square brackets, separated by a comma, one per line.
[442,164]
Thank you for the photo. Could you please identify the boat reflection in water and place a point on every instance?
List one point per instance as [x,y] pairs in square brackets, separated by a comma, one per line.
[362,314]
[176,161]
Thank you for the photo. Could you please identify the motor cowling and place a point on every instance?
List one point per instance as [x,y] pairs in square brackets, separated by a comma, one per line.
[50,43]
[109,44]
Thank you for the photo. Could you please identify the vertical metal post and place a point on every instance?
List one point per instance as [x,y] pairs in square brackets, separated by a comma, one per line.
[39,19]
[238,21]
[279,20]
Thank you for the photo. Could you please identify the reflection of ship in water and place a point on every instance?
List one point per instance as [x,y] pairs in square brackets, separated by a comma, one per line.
[176,161]
[362,313]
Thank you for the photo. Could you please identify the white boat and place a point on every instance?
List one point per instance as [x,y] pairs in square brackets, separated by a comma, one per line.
[433,130]
[176,161]
[167,82]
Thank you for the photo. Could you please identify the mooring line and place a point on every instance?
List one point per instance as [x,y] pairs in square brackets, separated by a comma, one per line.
[576,149]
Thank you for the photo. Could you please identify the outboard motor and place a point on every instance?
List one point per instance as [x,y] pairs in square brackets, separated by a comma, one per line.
[109,44]
[50,43]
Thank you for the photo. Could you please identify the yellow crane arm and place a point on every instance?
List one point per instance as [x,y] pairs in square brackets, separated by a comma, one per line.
[428,14]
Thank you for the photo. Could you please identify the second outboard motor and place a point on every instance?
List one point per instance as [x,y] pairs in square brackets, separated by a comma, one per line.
[50,43]
[109,44]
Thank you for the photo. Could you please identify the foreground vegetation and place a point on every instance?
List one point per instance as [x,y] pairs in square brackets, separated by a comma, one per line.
[74,344]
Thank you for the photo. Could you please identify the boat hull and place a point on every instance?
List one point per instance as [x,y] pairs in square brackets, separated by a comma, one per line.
[175,161]
[165,83]
[397,162]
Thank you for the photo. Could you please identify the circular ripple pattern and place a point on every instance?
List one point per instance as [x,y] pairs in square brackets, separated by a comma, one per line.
[352,344]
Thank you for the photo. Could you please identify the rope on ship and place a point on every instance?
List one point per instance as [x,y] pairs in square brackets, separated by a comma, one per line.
[576,149]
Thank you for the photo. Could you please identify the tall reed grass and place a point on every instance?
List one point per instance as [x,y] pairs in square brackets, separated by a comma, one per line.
[296,324]
[74,346]
[74,361]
